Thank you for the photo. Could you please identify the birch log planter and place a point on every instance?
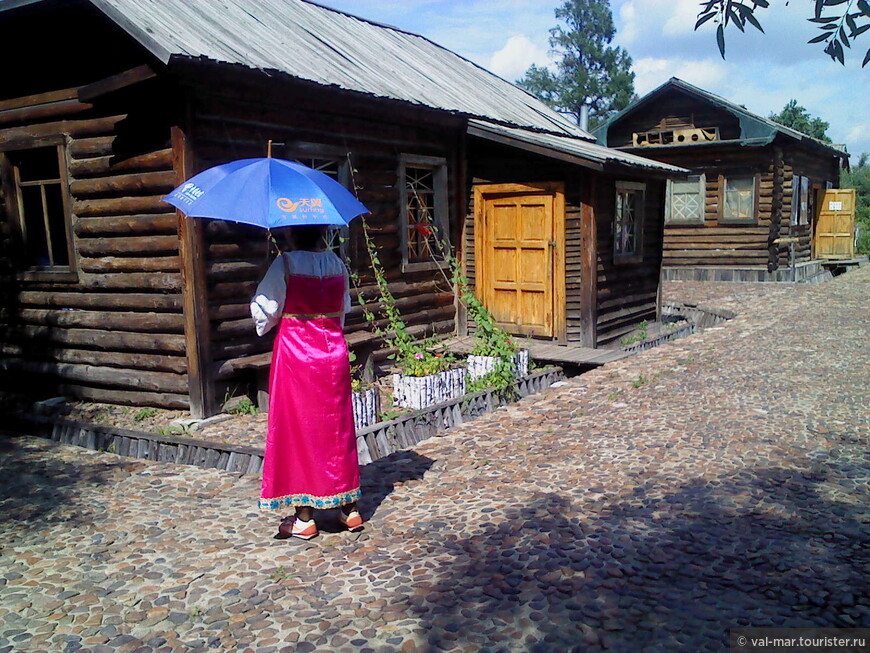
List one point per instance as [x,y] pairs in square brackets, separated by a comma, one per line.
[482,365]
[366,406]
[418,392]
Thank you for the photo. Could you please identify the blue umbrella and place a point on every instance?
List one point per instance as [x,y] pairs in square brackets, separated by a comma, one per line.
[268,193]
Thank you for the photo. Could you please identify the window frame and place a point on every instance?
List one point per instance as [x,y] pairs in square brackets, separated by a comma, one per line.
[635,256]
[702,192]
[15,209]
[304,151]
[723,194]
[438,166]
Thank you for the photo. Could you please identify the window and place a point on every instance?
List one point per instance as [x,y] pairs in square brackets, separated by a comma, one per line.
[423,211]
[685,204]
[331,162]
[738,199]
[36,202]
[628,221]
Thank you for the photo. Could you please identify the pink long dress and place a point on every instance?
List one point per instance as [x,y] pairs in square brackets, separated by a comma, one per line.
[311,456]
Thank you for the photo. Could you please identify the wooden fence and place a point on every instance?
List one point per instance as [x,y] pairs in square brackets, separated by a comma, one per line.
[382,438]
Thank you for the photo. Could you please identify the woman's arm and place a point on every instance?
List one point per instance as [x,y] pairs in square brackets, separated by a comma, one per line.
[268,302]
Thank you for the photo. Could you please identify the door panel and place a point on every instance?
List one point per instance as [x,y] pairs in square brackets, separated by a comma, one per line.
[516,278]
[835,237]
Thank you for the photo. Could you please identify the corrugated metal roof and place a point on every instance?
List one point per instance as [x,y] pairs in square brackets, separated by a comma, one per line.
[567,148]
[333,48]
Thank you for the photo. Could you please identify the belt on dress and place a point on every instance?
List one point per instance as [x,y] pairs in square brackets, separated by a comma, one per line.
[311,316]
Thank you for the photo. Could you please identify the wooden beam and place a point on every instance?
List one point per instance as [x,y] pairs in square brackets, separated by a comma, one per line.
[130,77]
[200,372]
[588,262]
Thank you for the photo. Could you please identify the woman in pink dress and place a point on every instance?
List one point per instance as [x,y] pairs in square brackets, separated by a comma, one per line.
[311,457]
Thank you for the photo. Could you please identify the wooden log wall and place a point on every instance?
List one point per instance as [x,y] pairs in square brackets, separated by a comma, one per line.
[820,168]
[714,243]
[114,334]
[627,292]
[239,120]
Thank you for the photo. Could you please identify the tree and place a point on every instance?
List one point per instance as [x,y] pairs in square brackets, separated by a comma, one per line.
[590,71]
[795,116]
[859,179]
[837,30]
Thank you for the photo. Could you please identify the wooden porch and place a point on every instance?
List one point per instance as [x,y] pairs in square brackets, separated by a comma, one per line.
[548,352]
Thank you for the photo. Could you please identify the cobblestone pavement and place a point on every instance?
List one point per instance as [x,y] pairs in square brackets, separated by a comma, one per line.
[717,481]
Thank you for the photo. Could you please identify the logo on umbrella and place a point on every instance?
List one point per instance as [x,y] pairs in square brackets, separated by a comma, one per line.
[304,205]
[189,193]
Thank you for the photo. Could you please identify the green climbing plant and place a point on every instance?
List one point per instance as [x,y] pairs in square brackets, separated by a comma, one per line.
[489,338]
[413,357]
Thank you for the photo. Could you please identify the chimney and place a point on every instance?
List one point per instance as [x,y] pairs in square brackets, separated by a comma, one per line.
[584,117]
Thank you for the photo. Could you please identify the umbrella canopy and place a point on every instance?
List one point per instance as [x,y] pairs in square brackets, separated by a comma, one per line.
[268,193]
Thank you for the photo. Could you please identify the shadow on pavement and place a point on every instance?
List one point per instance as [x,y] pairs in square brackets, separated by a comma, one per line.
[39,490]
[379,478]
[767,547]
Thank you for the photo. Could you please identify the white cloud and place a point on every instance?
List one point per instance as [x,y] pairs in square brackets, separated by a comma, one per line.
[651,72]
[515,57]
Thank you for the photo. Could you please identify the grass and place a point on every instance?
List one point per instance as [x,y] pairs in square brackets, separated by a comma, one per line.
[639,381]
[144,413]
[245,407]
[640,336]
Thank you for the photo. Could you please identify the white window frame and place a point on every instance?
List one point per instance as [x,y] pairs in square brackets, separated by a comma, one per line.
[753,212]
[701,181]
[438,166]
[637,189]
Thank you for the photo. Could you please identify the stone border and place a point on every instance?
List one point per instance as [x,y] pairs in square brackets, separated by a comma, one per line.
[382,438]
[406,431]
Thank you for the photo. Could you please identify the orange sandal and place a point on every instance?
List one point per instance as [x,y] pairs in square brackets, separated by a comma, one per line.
[353,520]
[292,527]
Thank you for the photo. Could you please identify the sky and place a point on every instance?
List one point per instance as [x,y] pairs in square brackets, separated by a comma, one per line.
[761,71]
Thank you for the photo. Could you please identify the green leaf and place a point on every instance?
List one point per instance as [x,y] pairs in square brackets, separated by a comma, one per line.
[866,58]
[703,20]
[761,3]
[864,6]
[820,37]
[831,3]
[720,40]
[843,38]
[754,21]
[819,6]
[823,19]
[860,30]
[828,27]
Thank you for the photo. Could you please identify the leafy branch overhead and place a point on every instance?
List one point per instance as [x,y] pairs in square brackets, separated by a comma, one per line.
[838,30]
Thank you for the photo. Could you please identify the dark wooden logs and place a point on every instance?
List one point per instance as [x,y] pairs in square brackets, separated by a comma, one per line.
[128,225]
[130,264]
[116,321]
[110,301]
[101,165]
[104,340]
[140,183]
[111,376]
[122,206]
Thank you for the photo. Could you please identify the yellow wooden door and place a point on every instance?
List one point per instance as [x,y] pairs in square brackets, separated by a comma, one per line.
[521,238]
[835,226]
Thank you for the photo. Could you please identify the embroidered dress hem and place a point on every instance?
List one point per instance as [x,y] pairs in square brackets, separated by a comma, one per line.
[310,501]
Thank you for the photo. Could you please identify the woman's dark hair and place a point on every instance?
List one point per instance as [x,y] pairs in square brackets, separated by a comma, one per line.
[308,236]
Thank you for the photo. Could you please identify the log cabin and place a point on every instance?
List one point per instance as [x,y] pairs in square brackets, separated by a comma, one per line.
[749,208]
[109,295]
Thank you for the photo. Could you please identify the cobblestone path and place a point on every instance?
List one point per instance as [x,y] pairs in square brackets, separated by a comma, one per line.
[716,481]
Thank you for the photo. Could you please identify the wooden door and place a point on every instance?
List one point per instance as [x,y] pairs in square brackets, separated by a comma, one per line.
[521,263]
[835,225]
